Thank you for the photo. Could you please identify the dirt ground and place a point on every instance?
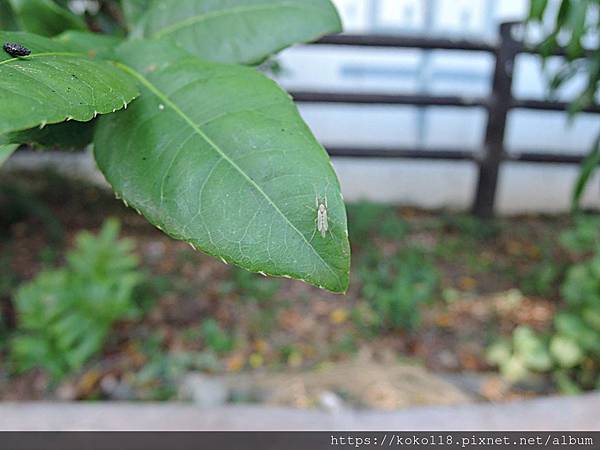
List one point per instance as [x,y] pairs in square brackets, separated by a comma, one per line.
[486,283]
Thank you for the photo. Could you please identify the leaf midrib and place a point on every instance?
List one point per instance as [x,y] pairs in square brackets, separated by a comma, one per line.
[224,12]
[37,55]
[163,97]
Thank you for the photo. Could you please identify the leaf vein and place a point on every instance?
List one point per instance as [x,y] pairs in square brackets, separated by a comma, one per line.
[152,88]
[224,12]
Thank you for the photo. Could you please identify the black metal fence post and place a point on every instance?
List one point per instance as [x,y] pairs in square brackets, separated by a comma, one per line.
[500,104]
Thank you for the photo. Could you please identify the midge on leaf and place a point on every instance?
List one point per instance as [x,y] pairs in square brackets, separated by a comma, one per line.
[15,50]
[322,222]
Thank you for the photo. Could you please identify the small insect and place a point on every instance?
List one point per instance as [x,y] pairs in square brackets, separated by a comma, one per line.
[322,222]
[15,50]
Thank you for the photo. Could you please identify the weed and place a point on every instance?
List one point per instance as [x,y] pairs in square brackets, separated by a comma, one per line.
[584,236]
[365,218]
[215,338]
[471,226]
[251,286]
[571,352]
[396,287]
[65,315]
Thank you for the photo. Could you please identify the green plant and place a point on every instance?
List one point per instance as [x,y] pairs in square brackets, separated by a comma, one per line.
[523,354]
[576,342]
[366,218]
[345,345]
[253,287]
[215,338]
[544,276]
[471,227]
[571,351]
[573,26]
[584,236]
[17,204]
[541,278]
[191,133]
[65,315]
[395,289]
[159,376]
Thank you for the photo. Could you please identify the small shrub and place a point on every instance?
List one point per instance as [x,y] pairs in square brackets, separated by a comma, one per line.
[584,236]
[523,354]
[158,379]
[366,218]
[252,286]
[215,338]
[65,315]
[471,226]
[571,352]
[541,279]
[396,287]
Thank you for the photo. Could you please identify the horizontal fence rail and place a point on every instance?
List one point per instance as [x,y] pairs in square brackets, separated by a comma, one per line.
[497,106]
[388,99]
[422,43]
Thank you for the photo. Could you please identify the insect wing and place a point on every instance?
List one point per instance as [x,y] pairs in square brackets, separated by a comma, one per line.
[322,222]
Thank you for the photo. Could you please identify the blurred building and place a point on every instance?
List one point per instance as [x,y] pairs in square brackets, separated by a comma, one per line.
[327,68]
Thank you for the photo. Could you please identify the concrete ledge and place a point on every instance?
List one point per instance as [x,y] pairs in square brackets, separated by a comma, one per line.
[556,413]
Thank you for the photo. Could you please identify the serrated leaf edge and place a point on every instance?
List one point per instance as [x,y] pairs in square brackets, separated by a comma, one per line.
[167,102]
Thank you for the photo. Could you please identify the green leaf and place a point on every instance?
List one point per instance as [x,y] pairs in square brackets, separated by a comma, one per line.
[94,44]
[561,77]
[515,370]
[537,8]
[588,167]
[548,45]
[566,351]
[133,10]
[531,349]
[45,17]
[65,135]
[576,24]
[6,151]
[563,13]
[55,84]
[238,31]
[499,353]
[565,384]
[8,20]
[218,155]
